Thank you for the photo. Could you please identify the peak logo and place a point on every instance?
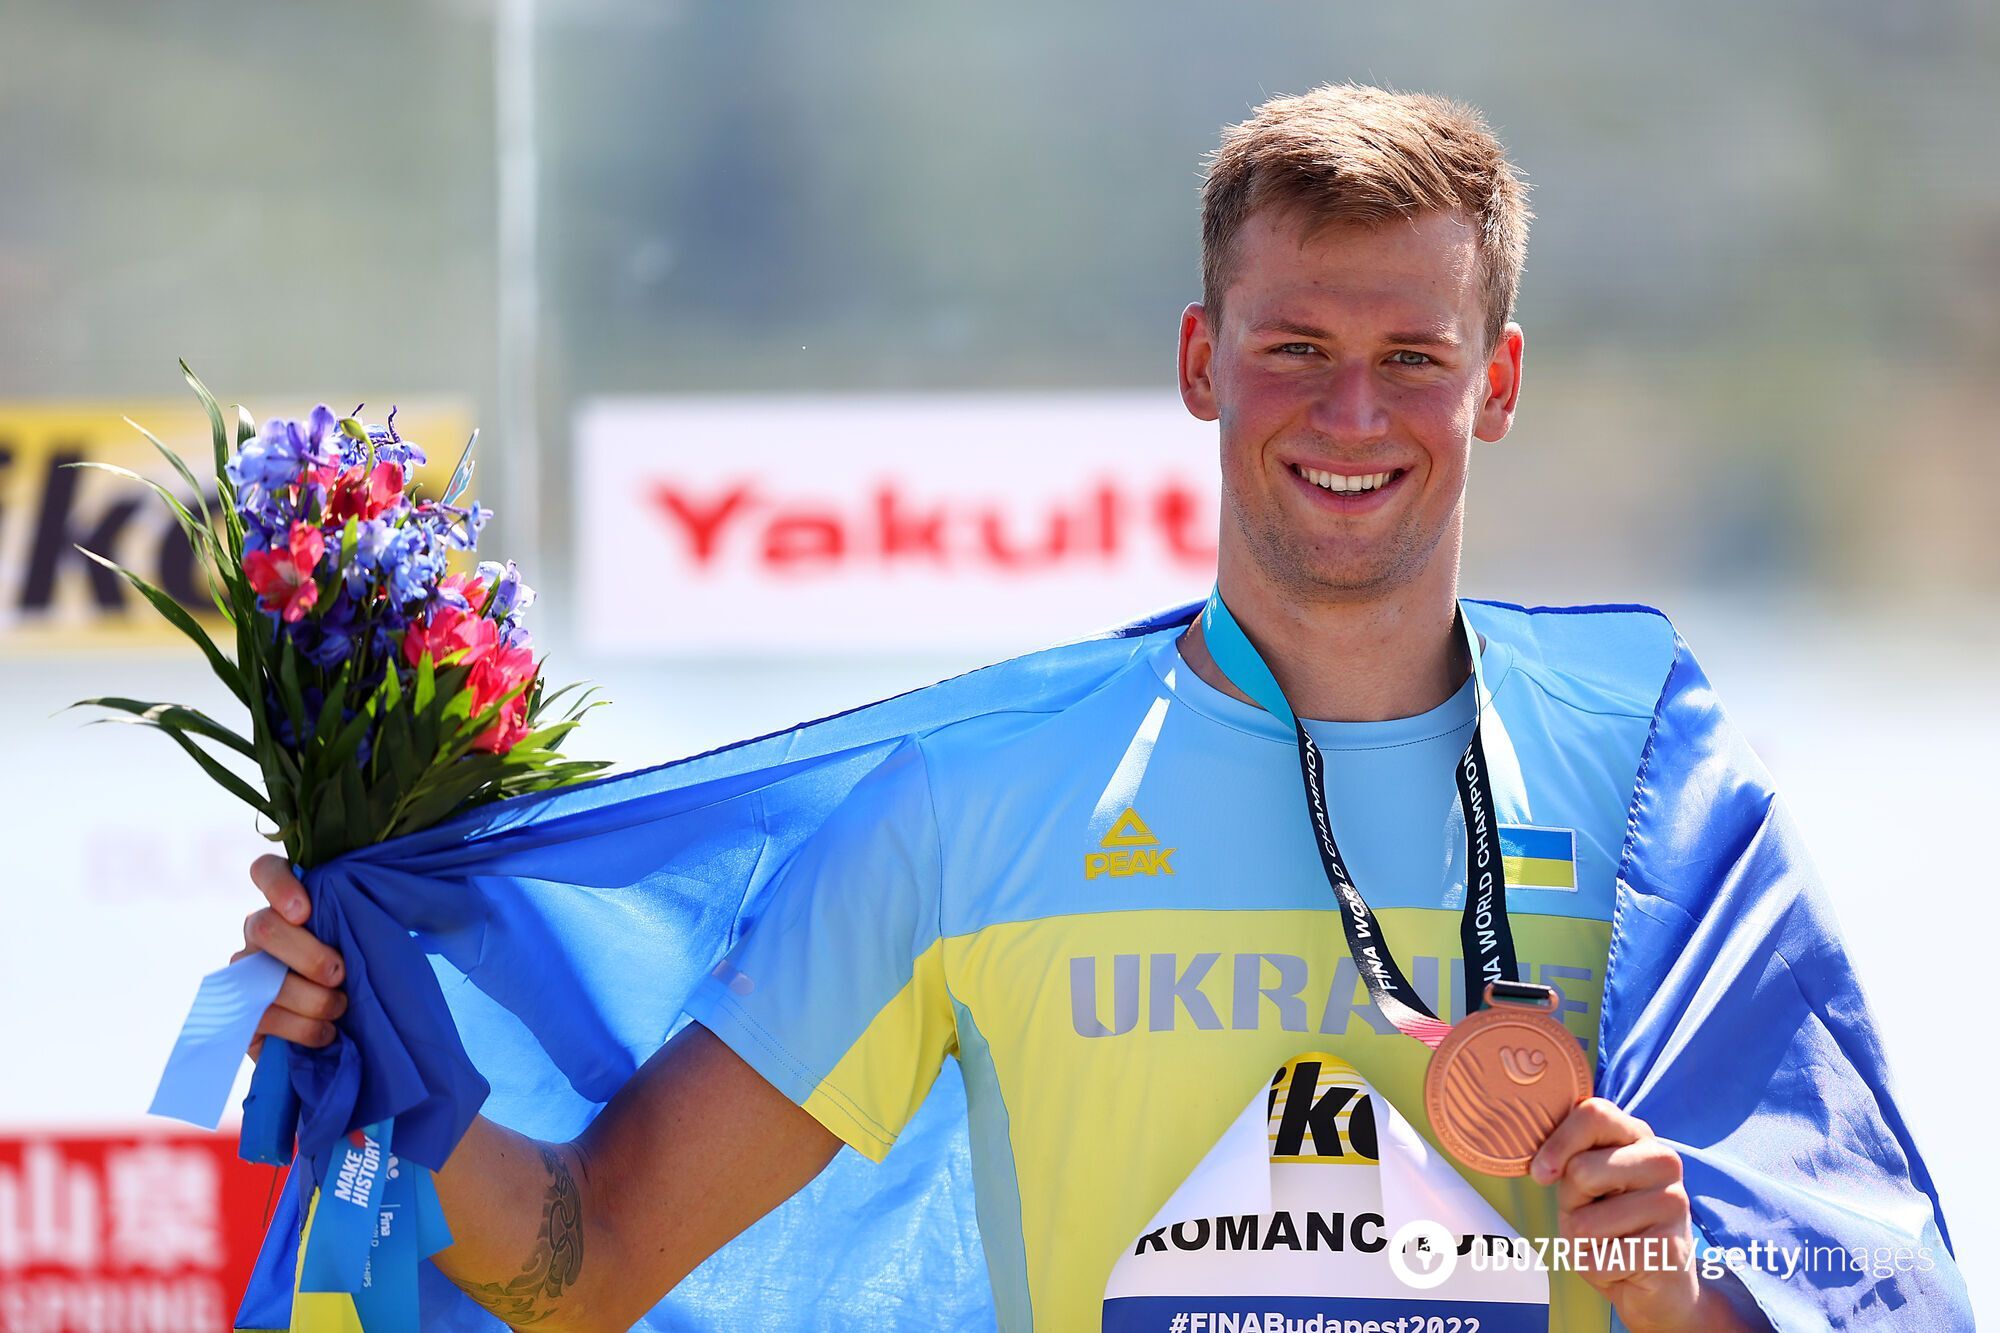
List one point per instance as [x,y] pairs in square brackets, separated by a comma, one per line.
[1129,849]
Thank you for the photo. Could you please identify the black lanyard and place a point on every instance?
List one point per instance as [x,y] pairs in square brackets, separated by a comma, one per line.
[1485,934]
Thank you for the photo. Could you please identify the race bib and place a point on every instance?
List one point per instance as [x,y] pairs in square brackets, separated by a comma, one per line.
[1321,1210]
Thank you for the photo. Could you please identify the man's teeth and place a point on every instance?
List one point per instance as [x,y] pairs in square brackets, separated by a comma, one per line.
[1333,481]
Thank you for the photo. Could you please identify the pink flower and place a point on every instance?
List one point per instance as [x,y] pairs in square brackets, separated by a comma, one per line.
[496,667]
[450,631]
[467,639]
[364,495]
[283,576]
[467,586]
[495,674]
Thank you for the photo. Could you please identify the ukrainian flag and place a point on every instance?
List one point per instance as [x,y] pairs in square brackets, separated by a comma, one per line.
[1538,858]
[568,927]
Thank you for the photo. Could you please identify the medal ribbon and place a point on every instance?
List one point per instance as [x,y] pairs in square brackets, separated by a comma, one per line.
[1485,935]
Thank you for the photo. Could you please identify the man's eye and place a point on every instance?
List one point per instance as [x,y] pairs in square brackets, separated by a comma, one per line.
[1418,358]
[1294,349]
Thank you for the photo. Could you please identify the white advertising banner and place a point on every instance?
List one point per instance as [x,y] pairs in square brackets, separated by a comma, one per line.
[715,526]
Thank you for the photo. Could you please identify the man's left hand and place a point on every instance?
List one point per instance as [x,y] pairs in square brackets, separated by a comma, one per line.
[1614,1180]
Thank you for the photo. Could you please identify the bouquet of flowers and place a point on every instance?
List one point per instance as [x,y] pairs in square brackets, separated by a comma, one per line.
[384,692]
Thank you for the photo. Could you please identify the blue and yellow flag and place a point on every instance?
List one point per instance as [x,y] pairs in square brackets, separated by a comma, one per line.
[567,930]
[1538,858]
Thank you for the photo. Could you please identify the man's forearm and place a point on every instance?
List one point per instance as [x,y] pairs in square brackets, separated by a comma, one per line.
[520,1234]
[591,1234]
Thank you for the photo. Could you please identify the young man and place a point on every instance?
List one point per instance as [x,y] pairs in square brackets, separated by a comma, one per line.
[1361,251]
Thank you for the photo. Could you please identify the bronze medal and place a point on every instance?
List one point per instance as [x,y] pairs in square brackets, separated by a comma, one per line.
[1502,1079]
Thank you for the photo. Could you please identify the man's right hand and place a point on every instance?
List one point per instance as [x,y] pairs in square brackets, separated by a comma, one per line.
[589,1234]
[310,998]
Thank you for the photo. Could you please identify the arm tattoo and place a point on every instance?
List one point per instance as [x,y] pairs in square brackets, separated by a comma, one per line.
[556,1261]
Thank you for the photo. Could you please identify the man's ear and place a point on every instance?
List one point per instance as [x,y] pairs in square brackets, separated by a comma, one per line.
[1503,387]
[1197,357]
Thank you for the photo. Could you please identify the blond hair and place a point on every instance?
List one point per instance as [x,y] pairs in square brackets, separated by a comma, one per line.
[1351,154]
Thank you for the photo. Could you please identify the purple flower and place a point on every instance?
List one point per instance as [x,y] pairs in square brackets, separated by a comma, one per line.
[325,643]
[510,596]
[372,540]
[389,449]
[411,565]
[453,597]
[282,454]
[460,527]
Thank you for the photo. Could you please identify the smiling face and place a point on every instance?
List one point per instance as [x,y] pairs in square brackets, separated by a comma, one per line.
[1350,377]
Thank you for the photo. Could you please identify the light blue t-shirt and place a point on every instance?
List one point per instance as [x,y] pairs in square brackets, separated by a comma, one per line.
[1391,794]
[1112,914]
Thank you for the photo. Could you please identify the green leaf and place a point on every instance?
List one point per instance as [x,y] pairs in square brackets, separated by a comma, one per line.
[249,652]
[350,536]
[188,719]
[394,761]
[397,744]
[177,616]
[284,801]
[392,689]
[551,696]
[460,782]
[199,536]
[232,522]
[207,547]
[584,702]
[346,743]
[290,697]
[214,410]
[210,765]
[544,739]
[547,738]
[329,820]
[459,706]
[550,777]
[426,687]
[326,725]
[246,425]
[578,713]
[359,830]
[186,474]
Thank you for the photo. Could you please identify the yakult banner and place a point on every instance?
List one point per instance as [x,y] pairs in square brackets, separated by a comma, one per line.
[150,1232]
[51,596]
[725,525]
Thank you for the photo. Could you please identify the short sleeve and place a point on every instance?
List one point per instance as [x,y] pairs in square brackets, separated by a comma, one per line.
[836,995]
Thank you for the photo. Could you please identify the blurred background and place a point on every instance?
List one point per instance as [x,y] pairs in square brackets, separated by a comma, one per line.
[822,351]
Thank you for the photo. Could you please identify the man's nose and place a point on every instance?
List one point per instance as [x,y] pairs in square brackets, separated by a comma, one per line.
[1349,408]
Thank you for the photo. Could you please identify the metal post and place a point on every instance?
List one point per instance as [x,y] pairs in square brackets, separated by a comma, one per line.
[517,471]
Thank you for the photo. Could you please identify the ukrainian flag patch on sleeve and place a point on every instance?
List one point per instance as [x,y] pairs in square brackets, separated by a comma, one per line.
[1538,858]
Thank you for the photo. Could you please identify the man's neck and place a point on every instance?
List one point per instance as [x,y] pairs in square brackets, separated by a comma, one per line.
[1344,662]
